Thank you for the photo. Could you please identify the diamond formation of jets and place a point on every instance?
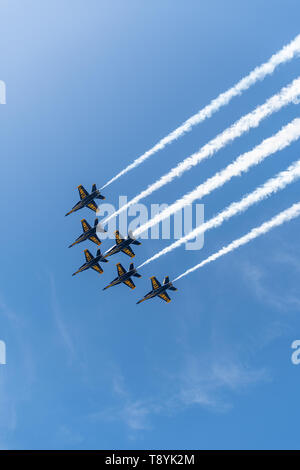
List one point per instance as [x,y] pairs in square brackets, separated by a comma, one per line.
[86,199]
[124,277]
[89,233]
[92,262]
[159,290]
[122,244]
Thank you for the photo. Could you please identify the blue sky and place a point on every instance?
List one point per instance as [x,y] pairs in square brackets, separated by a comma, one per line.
[91,85]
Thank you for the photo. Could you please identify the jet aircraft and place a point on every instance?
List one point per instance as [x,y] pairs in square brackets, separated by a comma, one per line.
[159,290]
[86,199]
[89,233]
[124,276]
[122,244]
[92,262]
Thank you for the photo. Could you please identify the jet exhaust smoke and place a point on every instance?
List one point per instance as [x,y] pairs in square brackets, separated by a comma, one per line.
[286,54]
[242,164]
[291,174]
[282,217]
[244,124]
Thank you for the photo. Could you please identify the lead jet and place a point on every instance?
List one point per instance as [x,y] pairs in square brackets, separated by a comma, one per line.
[92,262]
[89,233]
[122,244]
[86,199]
[124,276]
[159,290]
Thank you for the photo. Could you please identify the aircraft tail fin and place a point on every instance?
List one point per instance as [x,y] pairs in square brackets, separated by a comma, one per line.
[99,254]
[131,267]
[94,188]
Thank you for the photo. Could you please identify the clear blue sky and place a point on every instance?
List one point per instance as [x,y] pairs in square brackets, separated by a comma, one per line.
[90,86]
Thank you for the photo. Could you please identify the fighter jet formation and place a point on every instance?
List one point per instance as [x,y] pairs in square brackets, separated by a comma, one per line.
[122,245]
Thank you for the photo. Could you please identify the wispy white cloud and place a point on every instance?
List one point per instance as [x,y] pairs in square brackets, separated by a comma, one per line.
[205,384]
[59,321]
[259,281]
[133,413]
[197,382]
[25,371]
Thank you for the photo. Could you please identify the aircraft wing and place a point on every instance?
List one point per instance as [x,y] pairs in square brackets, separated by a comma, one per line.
[97,268]
[165,297]
[88,255]
[93,206]
[128,251]
[129,283]
[85,225]
[94,239]
[155,283]
[121,270]
[118,238]
[82,192]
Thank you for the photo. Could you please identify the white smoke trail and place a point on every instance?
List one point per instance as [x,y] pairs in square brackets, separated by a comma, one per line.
[286,54]
[243,163]
[250,120]
[291,174]
[282,217]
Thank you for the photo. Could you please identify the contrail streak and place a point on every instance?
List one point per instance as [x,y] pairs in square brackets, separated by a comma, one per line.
[243,163]
[250,120]
[286,54]
[291,174]
[282,217]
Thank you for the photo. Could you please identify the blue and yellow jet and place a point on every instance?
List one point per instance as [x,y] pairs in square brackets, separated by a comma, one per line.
[86,199]
[92,262]
[159,290]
